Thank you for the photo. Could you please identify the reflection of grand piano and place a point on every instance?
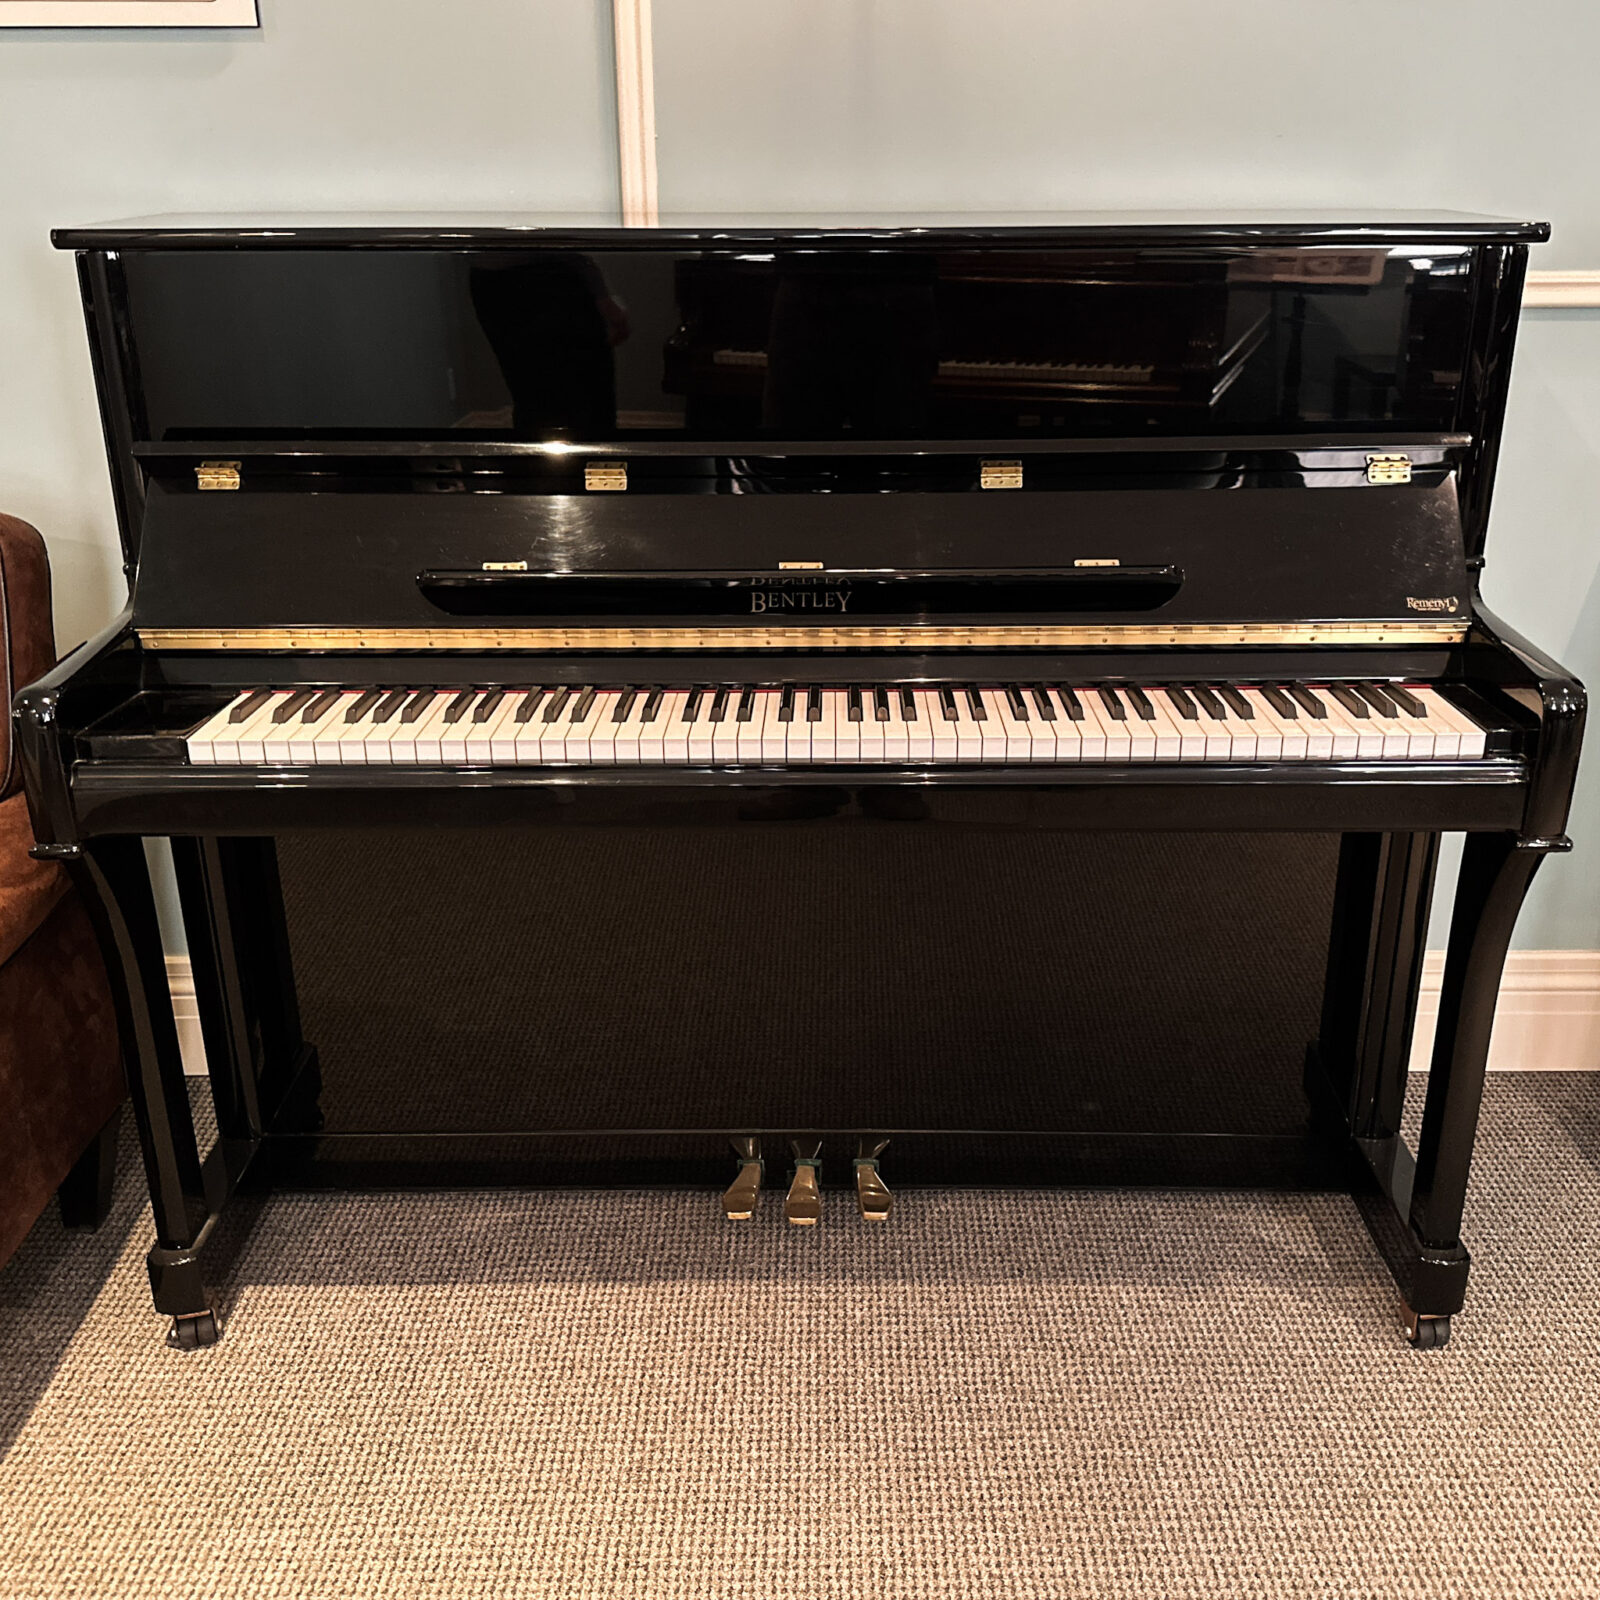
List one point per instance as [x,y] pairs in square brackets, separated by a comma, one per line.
[1014,337]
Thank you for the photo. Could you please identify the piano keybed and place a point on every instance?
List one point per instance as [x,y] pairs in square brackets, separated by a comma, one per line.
[816,724]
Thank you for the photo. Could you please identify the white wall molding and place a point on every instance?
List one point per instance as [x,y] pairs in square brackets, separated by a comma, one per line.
[636,111]
[1548,1018]
[1545,290]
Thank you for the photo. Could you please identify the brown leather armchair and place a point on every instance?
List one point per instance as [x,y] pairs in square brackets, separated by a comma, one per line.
[61,1084]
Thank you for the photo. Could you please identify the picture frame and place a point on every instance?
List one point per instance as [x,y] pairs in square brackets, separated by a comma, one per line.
[129,14]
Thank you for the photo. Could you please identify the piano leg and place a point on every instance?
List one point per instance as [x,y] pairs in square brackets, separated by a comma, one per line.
[1415,1216]
[185,1193]
[244,980]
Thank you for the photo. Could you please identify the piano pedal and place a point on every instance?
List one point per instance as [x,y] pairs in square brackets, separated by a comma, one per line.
[803,1204]
[743,1195]
[872,1193]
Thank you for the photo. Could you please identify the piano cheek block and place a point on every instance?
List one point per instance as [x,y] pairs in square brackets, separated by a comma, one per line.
[1043,530]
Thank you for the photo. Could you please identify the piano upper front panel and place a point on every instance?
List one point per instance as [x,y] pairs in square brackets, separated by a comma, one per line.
[725,344]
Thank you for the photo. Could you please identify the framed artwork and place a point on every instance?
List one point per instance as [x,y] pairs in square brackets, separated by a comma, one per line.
[129,14]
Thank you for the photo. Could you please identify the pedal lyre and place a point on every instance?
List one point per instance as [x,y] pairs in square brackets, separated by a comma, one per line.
[743,1195]
[803,1204]
[872,1193]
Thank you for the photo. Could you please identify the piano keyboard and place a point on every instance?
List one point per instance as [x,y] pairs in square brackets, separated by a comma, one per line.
[799,725]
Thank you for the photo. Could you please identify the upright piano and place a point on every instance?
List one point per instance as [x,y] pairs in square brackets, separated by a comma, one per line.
[918,701]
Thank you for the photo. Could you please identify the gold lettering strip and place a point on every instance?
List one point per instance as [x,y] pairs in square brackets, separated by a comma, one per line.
[822,637]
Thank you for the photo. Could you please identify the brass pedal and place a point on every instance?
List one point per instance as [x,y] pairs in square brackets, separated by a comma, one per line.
[743,1195]
[872,1193]
[803,1204]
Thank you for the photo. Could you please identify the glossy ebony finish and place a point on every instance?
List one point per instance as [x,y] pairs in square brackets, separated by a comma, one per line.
[1198,973]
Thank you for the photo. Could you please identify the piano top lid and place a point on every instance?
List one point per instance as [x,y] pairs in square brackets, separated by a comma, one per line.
[1288,227]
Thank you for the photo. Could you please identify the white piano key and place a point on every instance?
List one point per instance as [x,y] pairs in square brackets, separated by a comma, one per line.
[1193,743]
[725,734]
[747,735]
[1470,740]
[1367,729]
[969,733]
[874,734]
[482,735]
[846,734]
[1419,733]
[896,731]
[924,734]
[417,743]
[675,734]
[582,731]
[993,733]
[201,744]
[1168,737]
[1265,733]
[327,732]
[1290,740]
[505,729]
[1141,734]
[700,734]
[825,731]
[774,731]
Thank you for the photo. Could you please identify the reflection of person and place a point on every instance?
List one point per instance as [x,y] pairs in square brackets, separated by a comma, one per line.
[853,346]
[552,322]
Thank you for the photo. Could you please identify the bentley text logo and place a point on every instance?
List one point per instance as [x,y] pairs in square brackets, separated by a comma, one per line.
[802,594]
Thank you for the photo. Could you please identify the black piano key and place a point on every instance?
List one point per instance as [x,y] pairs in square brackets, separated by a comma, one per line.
[747,706]
[320,706]
[364,702]
[1407,701]
[1378,700]
[975,705]
[947,704]
[485,707]
[585,704]
[558,702]
[786,704]
[458,707]
[880,705]
[1353,703]
[719,705]
[1043,704]
[1141,703]
[1241,707]
[1070,703]
[391,703]
[299,698]
[1280,702]
[908,705]
[1182,704]
[254,701]
[852,700]
[814,704]
[1113,703]
[652,706]
[1019,706]
[1209,703]
[530,704]
[1307,699]
[691,707]
[625,700]
[418,703]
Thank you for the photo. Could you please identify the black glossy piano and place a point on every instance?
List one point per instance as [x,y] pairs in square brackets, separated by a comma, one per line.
[927,701]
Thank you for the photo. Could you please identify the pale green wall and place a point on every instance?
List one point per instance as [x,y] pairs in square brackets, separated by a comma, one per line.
[827,104]
[331,105]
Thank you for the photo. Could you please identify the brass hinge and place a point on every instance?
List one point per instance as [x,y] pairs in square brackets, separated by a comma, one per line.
[605,475]
[1389,469]
[1000,475]
[505,566]
[217,475]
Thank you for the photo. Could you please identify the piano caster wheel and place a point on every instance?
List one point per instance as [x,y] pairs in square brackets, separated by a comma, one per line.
[872,1193]
[743,1195]
[1425,1333]
[803,1204]
[194,1333]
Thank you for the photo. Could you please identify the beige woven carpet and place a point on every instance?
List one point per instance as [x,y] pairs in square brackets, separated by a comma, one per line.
[1050,1395]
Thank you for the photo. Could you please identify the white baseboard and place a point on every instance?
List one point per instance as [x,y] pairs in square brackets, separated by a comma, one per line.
[1548,1018]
